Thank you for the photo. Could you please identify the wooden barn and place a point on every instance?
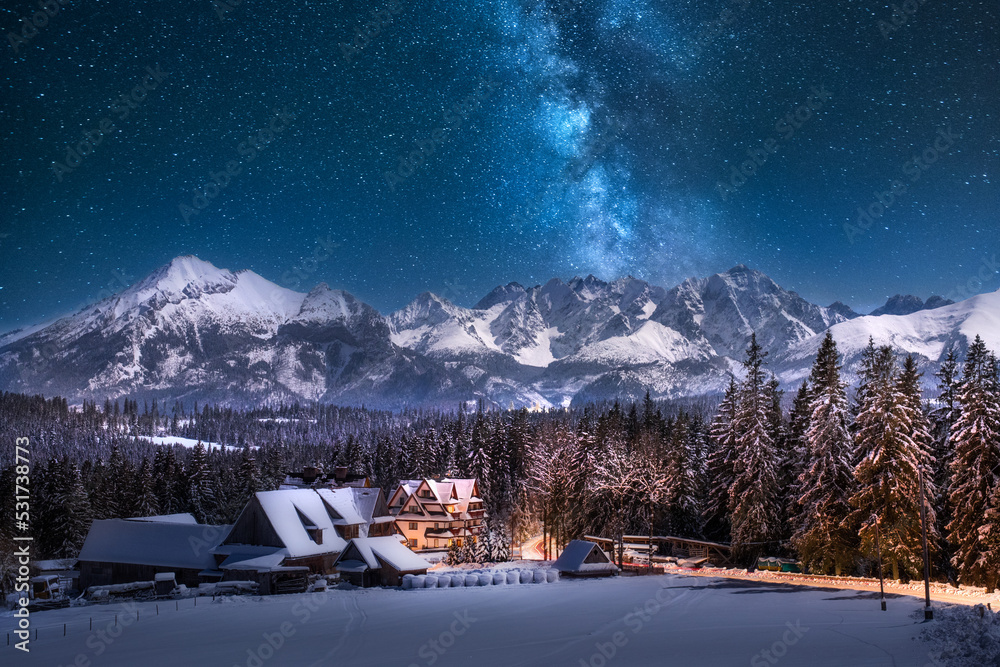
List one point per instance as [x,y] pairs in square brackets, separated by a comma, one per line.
[581,558]
[119,551]
[378,561]
[307,525]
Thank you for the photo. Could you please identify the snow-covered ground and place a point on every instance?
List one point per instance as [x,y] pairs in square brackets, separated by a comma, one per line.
[190,443]
[661,620]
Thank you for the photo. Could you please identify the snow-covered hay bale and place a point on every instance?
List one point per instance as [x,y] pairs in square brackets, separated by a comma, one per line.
[430,581]
[471,580]
[444,581]
[485,580]
[499,578]
[457,580]
[513,577]
[551,575]
[418,580]
[407,581]
[525,576]
[539,576]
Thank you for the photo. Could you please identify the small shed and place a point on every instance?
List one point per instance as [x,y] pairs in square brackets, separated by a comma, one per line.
[581,558]
[378,561]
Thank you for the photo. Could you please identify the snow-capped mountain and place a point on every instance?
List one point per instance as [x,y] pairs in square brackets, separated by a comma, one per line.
[193,331]
[190,329]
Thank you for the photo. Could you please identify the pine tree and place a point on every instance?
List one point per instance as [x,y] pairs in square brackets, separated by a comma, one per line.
[975,468]
[201,487]
[249,476]
[678,482]
[719,468]
[143,501]
[754,496]
[798,446]
[72,516]
[887,474]
[822,534]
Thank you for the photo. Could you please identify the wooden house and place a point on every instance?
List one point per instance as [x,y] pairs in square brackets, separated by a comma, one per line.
[378,561]
[433,514]
[282,534]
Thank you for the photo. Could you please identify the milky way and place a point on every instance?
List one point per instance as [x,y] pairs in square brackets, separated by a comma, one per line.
[846,149]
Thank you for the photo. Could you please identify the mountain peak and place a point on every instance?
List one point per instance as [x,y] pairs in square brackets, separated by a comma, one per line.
[842,309]
[502,294]
[905,304]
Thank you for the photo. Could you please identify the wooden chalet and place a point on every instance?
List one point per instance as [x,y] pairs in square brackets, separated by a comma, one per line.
[378,561]
[282,534]
[434,514]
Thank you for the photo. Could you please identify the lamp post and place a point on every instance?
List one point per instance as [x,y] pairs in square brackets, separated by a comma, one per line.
[928,612]
[878,547]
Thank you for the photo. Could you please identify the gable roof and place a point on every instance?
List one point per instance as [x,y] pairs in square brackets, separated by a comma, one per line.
[180,545]
[583,556]
[289,511]
[387,549]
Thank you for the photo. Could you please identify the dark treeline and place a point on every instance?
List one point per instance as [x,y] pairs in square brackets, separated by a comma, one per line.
[812,481]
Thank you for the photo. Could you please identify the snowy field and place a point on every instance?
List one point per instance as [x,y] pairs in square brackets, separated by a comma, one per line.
[661,620]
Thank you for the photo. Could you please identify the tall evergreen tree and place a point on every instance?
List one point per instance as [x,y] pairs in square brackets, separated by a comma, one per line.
[975,468]
[72,516]
[822,534]
[887,474]
[754,496]
[719,469]
[201,487]
[681,493]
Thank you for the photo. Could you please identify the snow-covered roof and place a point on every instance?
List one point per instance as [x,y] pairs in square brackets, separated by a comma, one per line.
[366,501]
[387,548]
[456,493]
[179,545]
[290,511]
[576,554]
[342,502]
[183,517]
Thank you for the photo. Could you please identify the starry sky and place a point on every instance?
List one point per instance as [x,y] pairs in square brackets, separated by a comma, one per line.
[391,148]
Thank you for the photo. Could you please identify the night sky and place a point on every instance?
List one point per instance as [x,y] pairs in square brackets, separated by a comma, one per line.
[559,139]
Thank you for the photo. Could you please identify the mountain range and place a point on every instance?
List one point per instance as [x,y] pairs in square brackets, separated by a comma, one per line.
[192,331]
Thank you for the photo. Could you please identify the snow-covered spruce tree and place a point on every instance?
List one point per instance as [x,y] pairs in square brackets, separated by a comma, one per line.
[975,468]
[719,468]
[453,557]
[989,539]
[887,474]
[676,482]
[754,498]
[823,537]
[943,418]
[72,517]
[201,489]
[798,424]
[143,496]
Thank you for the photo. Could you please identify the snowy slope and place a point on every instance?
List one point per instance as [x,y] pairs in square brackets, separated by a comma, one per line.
[654,620]
[927,334]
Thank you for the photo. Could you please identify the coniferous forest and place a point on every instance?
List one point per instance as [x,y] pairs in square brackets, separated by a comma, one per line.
[812,475]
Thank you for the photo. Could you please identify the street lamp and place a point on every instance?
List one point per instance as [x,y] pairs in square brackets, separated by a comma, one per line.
[928,612]
[878,547]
